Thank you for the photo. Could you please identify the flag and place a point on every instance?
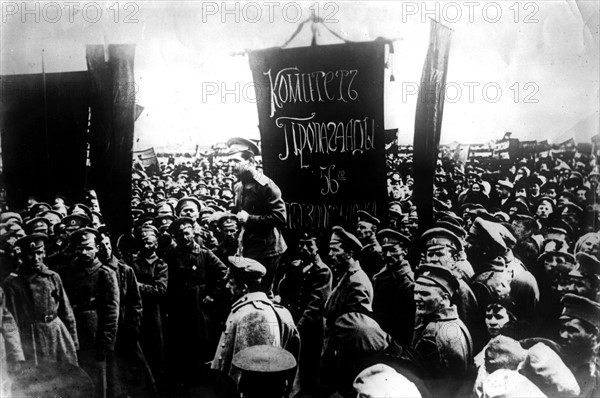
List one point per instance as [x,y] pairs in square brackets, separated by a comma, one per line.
[428,121]
[111,131]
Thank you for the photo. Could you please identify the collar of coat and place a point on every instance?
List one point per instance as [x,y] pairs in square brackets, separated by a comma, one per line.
[372,246]
[30,274]
[443,314]
[149,260]
[113,263]
[251,174]
[400,271]
[306,266]
[353,268]
[90,269]
[194,249]
[249,297]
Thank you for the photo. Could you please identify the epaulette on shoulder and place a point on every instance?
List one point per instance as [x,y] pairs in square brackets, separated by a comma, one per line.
[262,179]
[259,305]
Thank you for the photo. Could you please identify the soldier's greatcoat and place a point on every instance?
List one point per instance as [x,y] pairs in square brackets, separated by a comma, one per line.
[253,321]
[94,293]
[43,312]
[445,344]
[152,276]
[353,293]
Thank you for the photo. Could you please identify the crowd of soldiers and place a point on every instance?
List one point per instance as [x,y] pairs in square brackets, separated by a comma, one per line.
[498,298]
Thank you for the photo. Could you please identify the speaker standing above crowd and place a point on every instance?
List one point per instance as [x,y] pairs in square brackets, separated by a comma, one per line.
[505,285]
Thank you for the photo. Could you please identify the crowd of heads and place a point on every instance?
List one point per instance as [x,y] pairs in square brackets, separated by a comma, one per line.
[540,213]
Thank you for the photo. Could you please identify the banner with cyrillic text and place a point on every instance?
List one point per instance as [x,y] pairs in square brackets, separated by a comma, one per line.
[320,114]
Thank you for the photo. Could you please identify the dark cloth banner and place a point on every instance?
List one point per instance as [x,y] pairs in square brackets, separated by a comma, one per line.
[428,121]
[44,141]
[111,132]
[320,113]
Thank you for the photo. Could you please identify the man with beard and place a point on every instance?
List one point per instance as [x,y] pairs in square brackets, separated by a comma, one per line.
[196,286]
[94,293]
[447,355]
[304,289]
[37,299]
[371,259]
[578,337]
[353,291]
[259,208]
[393,305]
[127,370]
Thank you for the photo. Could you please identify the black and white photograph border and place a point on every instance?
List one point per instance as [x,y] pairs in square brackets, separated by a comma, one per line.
[284,129]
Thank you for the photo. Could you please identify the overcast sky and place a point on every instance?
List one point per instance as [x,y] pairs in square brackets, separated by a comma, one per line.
[541,55]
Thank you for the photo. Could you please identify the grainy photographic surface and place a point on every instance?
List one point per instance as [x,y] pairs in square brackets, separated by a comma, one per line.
[309,199]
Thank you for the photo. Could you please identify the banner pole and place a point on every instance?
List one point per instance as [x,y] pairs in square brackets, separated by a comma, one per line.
[49,165]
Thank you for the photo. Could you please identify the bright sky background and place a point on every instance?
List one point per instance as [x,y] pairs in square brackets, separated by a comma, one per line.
[185,48]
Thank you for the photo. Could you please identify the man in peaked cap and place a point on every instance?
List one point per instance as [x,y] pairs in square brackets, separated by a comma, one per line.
[37,225]
[393,306]
[259,208]
[12,231]
[353,290]
[190,207]
[267,371]
[521,189]
[448,356]
[585,279]
[73,222]
[526,231]
[163,221]
[254,319]
[196,276]
[82,209]
[462,265]
[62,253]
[484,243]
[94,293]
[304,288]
[45,319]
[356,340]
[504,189]
[371,258]
[578,336]
[442,247]
[571,214]
[38,208]
[9,215]
[127,370]
[152,279]
[52,216]
[382,381]
[228,230]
